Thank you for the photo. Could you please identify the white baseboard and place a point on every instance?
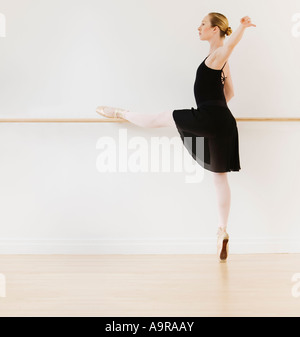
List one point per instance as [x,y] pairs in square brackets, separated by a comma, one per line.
[148,246]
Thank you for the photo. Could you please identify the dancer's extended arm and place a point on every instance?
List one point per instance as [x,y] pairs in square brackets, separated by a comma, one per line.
[225,51]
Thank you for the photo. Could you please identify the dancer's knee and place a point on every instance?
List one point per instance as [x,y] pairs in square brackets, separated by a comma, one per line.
[220,178]
[164,119]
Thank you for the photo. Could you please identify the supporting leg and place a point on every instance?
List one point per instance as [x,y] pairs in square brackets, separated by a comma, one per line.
[223,198]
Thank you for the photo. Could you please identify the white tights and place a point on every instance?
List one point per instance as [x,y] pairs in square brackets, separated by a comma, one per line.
[165,119]
[223,197]
[157,120]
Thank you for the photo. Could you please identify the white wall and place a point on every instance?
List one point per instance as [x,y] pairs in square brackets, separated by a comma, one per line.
[63,58]
[54,199]
[2,25]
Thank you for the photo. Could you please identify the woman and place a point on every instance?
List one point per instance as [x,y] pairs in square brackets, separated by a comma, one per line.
[212,119]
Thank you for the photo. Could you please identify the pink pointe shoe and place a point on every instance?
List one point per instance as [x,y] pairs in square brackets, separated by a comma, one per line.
[111,112]
[222,246]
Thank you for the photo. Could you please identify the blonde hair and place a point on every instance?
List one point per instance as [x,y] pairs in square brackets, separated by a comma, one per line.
[220,20]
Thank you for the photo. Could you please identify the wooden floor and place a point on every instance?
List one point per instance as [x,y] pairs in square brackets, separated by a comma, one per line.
[150,285]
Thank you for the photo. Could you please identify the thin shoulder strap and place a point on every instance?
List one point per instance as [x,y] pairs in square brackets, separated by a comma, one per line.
[224,65]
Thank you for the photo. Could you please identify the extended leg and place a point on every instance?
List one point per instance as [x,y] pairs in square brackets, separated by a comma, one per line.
[157,120]
[223,198]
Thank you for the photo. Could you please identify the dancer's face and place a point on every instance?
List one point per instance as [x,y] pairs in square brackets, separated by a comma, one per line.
[205,29]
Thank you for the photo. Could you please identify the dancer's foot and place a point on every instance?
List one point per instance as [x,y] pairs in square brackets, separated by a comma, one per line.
[223,240]
[111,112]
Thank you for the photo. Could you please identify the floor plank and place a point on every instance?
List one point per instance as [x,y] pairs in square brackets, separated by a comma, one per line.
[150,285]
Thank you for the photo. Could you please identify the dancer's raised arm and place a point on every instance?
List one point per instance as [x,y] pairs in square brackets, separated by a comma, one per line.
[237,35]
[225,51]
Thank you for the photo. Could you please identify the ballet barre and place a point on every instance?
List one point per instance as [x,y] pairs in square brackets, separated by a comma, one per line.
[120,120]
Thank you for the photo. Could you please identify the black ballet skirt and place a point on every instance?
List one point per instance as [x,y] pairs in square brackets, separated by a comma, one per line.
[210,132]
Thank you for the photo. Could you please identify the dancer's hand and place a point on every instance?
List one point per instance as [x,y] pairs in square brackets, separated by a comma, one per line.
[246,22]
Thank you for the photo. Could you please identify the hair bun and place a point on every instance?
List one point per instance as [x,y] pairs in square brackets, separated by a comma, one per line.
[228,31]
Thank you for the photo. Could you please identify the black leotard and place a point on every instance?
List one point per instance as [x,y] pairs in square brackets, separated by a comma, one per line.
[212,121]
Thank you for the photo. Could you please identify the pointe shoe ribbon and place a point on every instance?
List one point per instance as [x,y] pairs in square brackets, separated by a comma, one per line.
[110,112]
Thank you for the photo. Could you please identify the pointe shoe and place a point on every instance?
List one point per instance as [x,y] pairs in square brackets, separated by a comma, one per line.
[222,246]
[110,112]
